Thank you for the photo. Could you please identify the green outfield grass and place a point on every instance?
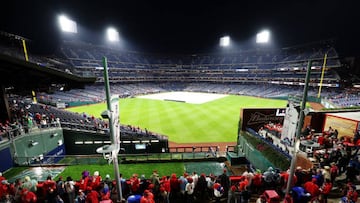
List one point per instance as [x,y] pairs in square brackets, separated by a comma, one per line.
[215,121]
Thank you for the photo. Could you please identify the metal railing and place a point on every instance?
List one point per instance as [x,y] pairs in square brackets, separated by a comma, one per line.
[175,154]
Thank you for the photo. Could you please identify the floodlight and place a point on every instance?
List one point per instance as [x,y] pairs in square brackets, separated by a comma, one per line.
[225,41]
[263,36]
[67,25]
[112,34]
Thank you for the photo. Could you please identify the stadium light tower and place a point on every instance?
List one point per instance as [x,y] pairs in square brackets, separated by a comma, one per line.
[263,37]
[67,25]
[112,34]
[225,41]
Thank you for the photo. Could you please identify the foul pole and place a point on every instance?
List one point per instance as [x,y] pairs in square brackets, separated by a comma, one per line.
[322,75]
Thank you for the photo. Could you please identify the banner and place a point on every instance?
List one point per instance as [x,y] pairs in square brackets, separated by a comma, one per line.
[115,118]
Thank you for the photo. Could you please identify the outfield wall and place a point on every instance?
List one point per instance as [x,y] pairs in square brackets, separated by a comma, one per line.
[253,155]
[40,146]
[80,142]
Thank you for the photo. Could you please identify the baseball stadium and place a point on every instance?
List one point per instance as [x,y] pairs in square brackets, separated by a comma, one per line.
[100,122]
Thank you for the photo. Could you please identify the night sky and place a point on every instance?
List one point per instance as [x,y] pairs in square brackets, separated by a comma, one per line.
[186,26]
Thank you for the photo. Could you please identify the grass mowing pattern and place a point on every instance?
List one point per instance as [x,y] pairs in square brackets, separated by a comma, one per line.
[164,169]
[215,121]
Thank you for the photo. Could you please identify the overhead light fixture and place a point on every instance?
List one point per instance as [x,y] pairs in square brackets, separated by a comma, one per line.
[225,41]
[112,34]
[67,25]
[263,37]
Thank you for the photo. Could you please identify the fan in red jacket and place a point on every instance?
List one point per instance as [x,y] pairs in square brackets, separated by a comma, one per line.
[312,188]
[84,180]
[4,188]
[352,194]
[134,184]
[326,189]
[28,196]
[148,197]
[285,177]
[96,179]
[92,196]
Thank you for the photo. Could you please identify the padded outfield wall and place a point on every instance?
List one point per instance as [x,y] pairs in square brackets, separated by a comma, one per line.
[81,142]
[41,146]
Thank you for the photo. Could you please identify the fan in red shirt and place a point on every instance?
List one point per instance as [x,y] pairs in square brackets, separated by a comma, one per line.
[134,184]
[312,188]
[334,171]
[285,177]
[96,179]
[49,188]
[148,197]
[84,181]
[352,195]
[28,196]
[325,190]
[174,184]
[256,181]
[92,196]
[243,183]
[4,188]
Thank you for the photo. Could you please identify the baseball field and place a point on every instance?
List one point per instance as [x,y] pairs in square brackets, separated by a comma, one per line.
[185,117]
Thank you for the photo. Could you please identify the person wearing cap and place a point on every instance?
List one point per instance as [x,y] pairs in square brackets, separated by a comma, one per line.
[268,177]
[257,181]
[96,179]
[30,184]
[218,192]
[108,181]
[224,180]
[144,184]
[84,180]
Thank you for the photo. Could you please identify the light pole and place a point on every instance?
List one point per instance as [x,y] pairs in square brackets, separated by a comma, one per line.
[299,128]
[114,127]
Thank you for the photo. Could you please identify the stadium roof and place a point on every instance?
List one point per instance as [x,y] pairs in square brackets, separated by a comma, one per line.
[24,76]
[186,26]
